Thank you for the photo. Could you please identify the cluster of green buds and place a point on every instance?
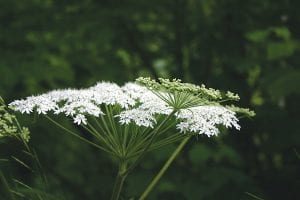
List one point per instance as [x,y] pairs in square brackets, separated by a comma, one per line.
[181,95]
[243,112]
[9,125]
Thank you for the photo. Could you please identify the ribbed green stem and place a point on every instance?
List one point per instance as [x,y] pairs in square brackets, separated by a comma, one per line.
[164,168]
[118,187]
[121,176]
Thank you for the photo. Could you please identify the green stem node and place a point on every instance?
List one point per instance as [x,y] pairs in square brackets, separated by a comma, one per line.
[121,176]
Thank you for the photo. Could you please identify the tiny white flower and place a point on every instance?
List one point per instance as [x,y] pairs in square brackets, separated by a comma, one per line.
[78,119]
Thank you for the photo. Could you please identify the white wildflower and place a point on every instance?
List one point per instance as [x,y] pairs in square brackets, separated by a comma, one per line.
[147,106]
[138,116]
[22,106]
[146,99]
[78,119]
[41,103]
[138,104]
[205,119]
[135,91]
[110,94]
[73,102]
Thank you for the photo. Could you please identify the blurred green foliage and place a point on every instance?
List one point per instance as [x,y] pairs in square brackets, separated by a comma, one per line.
[249,47]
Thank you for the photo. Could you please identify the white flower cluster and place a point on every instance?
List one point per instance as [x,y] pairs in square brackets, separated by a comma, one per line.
[205,119]
[75,103]
[139,105]
[148,105]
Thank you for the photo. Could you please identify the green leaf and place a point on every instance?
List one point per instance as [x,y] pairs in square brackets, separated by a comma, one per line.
[279,50]
[257,36]
[282,32]
[285,84]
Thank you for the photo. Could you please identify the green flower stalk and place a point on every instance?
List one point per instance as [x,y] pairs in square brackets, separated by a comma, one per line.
[129,121]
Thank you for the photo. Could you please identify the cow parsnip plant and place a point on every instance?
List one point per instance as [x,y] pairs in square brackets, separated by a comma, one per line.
[130,120]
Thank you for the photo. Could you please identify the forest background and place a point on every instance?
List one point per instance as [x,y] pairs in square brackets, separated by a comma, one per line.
[248,47]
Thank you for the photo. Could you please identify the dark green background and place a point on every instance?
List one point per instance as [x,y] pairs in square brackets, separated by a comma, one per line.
[250,47]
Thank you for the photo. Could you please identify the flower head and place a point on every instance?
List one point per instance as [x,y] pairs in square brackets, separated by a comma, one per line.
[196,107]
[205,119]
